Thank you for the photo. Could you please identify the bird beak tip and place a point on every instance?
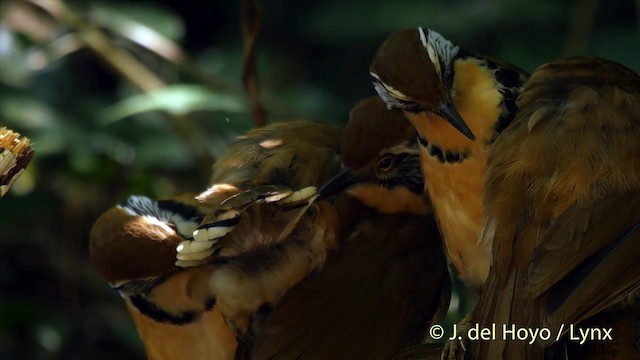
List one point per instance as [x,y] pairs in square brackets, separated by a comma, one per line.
[342,181]
[449,112]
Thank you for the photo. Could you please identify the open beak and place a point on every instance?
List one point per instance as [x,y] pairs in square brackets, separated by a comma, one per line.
[449,112]
[339,183]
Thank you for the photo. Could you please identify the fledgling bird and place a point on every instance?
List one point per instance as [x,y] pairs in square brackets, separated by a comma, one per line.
[459,102]
[387,279]
[562,200]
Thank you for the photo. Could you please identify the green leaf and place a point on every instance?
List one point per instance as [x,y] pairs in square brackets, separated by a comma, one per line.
[177,100]
[154,17]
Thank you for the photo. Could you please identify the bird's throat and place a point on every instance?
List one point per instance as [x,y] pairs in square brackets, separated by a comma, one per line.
[477,98]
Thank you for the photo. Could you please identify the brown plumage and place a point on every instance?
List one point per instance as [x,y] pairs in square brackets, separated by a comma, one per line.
[402,62]
[388,279]
[116,230]
[374,295]
[400,277]
[133,245]
[362,145]
[294,154]
[565,229]
[380,155]
[561,183]
[446,92]
[261,258]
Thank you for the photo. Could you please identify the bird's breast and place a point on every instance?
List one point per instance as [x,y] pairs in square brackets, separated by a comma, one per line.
[456,193]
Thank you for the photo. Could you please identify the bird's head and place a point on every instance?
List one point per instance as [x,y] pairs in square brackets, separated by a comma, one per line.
[381,162]
[413,71]
[137,239]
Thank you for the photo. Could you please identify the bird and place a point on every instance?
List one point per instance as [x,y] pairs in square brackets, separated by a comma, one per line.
[528,269]
[387,279]
[408,261]
[459,102]
[133,247]
[562,196]
[255,242]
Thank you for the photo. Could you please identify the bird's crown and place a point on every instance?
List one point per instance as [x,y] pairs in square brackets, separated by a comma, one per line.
[413,69]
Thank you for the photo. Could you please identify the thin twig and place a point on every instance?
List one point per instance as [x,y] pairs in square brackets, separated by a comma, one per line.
[172,52]
[251,21]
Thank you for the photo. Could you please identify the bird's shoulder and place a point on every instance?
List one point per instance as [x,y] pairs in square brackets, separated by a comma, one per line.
[294,153]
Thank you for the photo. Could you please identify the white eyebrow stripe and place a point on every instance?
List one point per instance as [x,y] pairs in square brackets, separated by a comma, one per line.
[391,90]
[423,38]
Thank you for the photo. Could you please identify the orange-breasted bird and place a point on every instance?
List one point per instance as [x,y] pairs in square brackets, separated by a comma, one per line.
[562,200]
[459,102]
[387,279]
[134,245]
[403,273]
[559,197]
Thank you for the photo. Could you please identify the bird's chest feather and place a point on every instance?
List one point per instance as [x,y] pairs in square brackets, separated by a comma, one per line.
[456,193]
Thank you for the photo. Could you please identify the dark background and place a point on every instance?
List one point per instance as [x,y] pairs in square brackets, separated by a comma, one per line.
[97,139]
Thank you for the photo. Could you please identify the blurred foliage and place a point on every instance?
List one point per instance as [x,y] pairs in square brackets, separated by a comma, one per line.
[100,134]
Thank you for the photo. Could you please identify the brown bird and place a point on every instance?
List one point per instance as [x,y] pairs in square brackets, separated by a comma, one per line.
[255,247]
[459,102]
[545,268]
[378,266]
[562,202]
[387,279]
[133,247]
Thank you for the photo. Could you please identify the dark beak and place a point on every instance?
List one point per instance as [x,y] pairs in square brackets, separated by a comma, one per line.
[449,112]
[339,183]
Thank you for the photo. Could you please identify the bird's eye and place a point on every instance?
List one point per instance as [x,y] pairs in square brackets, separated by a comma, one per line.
[386,163]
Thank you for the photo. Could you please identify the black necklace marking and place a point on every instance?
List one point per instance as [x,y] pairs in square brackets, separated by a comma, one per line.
[153,311]
[510,81]
[449,157]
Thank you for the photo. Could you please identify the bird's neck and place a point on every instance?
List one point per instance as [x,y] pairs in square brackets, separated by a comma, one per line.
[486,104]
[454,165]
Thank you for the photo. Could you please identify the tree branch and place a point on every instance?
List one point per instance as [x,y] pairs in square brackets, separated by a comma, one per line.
[15,155]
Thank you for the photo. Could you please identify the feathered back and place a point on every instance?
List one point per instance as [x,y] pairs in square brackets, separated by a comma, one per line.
[562,199]
[294,154]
